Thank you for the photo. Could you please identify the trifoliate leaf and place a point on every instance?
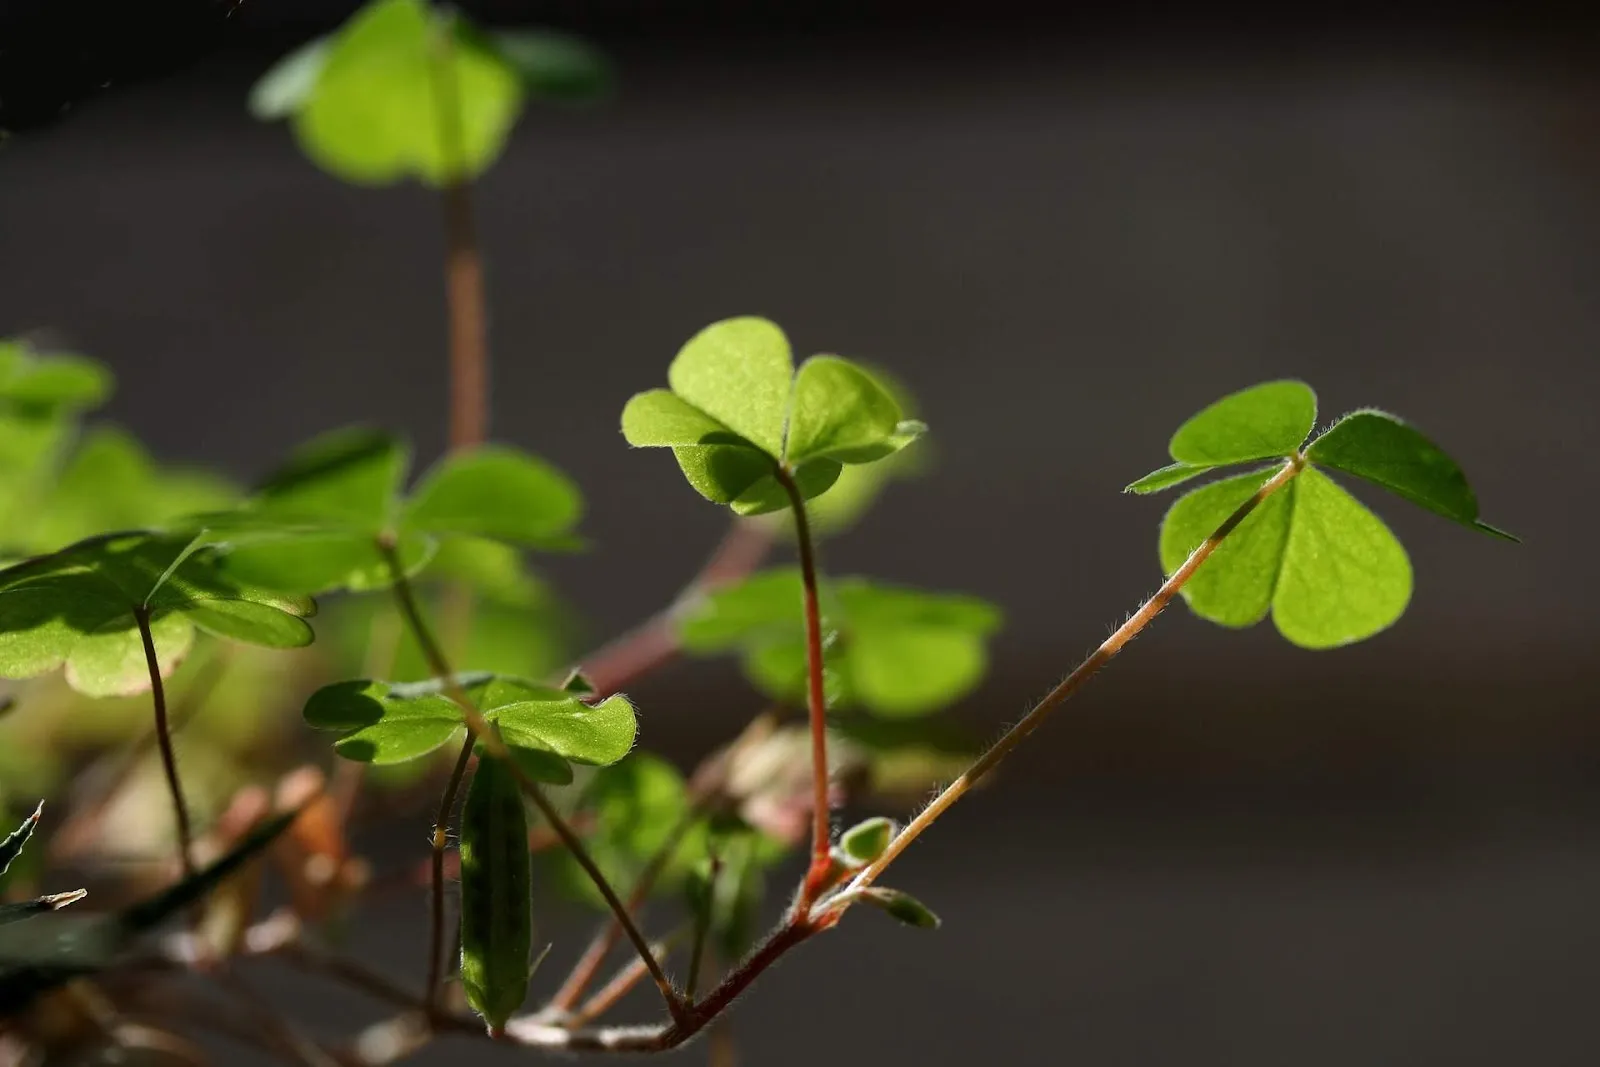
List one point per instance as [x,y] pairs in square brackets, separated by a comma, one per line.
[1377,446]
[372,114]
[383,722]
[737,413]
[903,906]
[320,522]
[892,651]
[1266,421]
[80,607]
[1328,568]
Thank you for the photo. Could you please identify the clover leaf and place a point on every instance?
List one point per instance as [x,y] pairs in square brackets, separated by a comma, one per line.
[323,520]
[546,729]
[365,102]
[738,413]
[81,607]
[891,651]
[49,382]
[1328,569]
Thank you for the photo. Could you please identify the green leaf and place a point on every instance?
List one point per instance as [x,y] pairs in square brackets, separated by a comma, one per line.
[1375,445]
[1263,422]
[349,477]
[1165,478]
[661,418]
[1345,576]
[383,722]
[554,66]
[1328,568]
[635,807]
[892,651]
[12,846]
[840,411]
[80,606]
[44,383]
[738,372]
[285,88]
[865,841]
[496,895]
[496,493]
[373,116]
[902,906]
[1235,586]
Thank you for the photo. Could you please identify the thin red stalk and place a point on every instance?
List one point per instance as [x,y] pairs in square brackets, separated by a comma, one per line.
[1057,696]
[169,761]
[816,701]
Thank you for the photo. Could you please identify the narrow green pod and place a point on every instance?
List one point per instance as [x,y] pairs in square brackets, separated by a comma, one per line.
[496,887]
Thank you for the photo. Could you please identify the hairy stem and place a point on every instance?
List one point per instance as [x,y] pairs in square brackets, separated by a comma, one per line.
[441,841]
[169,760]
[816,701]
[1057,696]
[480,728]
[588,965]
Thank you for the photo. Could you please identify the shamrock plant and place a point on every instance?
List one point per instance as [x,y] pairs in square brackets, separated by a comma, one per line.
[445,655]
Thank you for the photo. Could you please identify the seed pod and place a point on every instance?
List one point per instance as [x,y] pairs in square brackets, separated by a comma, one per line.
[496,920]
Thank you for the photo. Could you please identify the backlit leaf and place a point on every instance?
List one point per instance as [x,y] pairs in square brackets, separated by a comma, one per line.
[1263,422]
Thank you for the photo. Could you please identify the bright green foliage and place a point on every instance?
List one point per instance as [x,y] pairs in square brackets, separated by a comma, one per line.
[891,651]
[47,949]
[407,89]
[1327,568]
[1375,445]
[80,607]
[865,841]
[903,906]
[496,894]
[49,383]
[727,885]
[635,808]
[860,484]
[319,522]
[737,413]
[111,483]
[545,728]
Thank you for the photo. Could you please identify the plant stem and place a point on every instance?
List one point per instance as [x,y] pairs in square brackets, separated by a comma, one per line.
[441,840]
[588,965]
[169,761]
[482,729]
[463,271]
[816,700]
[1057,696]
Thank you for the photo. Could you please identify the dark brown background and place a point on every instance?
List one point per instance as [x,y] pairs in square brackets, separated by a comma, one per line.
[1066,234]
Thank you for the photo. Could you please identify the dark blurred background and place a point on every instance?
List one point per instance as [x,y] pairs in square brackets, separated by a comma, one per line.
[1066,232]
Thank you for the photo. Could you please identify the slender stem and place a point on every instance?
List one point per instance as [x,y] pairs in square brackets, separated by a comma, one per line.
[605,939]
[607,996]
[169,761]
[441,841]
[479,727]
[463,271]
[816,700]
[1057,696]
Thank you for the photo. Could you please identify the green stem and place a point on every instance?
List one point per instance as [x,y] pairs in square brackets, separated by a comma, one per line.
[816,701]
[441,841]
[1057,696]
[169,761]
[480,728]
